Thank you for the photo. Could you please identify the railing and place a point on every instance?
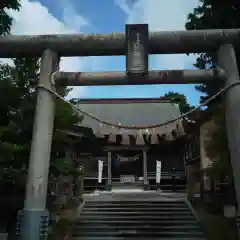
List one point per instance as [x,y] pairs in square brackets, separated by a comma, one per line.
[173,180]
[167,175]
[151,175]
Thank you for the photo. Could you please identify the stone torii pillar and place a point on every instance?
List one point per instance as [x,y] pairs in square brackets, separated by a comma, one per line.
[227,61]
[36,192]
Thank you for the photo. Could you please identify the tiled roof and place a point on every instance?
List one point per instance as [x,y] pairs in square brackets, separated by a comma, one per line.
[130,112]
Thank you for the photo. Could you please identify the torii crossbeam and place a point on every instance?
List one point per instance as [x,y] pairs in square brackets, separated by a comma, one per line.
[52,47]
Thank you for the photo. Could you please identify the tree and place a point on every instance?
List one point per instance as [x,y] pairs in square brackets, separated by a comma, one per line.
[180,99]
[5,19]
[212,14]
[17,106]
[17,123]
[5,86]
[18,92]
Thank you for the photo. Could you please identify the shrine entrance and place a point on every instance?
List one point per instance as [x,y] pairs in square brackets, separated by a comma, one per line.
[139,44]
[127,168]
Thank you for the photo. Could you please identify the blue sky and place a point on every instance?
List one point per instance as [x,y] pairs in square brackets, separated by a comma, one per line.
[106,16]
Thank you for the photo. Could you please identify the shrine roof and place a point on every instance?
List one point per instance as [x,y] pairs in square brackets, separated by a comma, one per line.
[130,111]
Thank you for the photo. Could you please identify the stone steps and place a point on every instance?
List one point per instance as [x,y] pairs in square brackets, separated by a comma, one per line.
[115,223]
[135,233]
[133,238]
[136,216]
[133,209]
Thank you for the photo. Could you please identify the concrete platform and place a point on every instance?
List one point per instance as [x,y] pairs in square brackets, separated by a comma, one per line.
[133,194]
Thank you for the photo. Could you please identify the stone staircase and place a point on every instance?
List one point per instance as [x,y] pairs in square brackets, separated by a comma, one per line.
[140,216]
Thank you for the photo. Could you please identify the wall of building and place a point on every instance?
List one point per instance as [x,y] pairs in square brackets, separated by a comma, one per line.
[205,136]
[195,167]
[206,131]
[193,177]
[170,159]
[90,165]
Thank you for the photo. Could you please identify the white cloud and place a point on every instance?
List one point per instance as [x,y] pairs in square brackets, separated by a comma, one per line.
[34,18]
[124,5]
[71,18]
[161,15]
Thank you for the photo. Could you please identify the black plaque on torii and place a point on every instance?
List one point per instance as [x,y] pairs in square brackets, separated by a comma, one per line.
[137,50]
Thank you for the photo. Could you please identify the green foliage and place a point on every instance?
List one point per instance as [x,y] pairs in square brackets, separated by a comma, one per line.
[18,92]
[72,203]
[5,19]
[212,14]
[62,165]
[60,229]
[180,99]
[216,226]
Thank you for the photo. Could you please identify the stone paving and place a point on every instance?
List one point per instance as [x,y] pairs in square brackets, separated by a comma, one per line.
[138,194]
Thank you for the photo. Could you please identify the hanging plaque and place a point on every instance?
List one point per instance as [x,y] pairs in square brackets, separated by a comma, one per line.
[128,159]
[137,50]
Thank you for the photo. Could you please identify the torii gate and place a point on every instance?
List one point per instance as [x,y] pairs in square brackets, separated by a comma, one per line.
[52,47]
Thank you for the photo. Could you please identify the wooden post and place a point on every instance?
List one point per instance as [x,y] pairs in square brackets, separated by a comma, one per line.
[227,60]
[79,183]
[109,187]
[145,182]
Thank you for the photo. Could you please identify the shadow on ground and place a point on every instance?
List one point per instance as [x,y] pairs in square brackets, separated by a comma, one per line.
[216,227]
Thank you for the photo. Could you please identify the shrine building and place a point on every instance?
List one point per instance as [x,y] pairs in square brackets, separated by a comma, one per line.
[130,156]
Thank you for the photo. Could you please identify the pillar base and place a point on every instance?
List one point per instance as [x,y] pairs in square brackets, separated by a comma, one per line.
[30,224]
[109,188]
[146,187]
